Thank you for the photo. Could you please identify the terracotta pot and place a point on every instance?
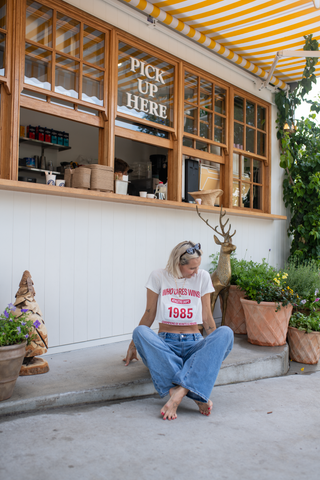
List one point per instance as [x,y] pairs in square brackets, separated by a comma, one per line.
[11,358]
[234,316]
[264,325]
[304,347]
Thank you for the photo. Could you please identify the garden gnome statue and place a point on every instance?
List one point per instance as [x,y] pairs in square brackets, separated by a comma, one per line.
[25,300]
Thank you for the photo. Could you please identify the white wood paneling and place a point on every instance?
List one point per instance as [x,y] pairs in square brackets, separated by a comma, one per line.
[90,260]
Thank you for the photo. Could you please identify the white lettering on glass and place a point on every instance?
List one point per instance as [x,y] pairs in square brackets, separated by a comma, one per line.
[146,88]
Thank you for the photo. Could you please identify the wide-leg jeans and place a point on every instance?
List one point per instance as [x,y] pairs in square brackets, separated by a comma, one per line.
[188,360]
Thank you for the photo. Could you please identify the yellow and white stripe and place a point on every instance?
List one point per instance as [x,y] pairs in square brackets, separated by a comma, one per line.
[249,33]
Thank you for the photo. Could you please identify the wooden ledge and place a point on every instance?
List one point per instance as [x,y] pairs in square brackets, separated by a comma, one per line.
[27,187]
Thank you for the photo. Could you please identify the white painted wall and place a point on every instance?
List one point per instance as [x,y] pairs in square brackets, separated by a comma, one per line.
[89,259]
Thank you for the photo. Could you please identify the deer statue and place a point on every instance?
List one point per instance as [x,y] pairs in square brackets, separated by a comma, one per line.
[222,274]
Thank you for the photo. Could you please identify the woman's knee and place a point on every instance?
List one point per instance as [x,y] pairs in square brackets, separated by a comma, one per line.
[141,331]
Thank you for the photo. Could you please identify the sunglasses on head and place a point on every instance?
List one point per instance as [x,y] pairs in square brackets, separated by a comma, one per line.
[191,250]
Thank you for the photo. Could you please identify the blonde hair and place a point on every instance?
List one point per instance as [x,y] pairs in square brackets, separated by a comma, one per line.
[175,260]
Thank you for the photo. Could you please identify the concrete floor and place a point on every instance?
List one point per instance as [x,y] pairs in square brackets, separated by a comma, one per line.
[266,429]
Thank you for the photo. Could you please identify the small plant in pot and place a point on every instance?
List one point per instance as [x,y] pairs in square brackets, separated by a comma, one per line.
[267,304]
[15,334]
[304,330]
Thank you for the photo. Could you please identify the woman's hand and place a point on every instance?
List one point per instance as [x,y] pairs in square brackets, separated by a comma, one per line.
[131,354]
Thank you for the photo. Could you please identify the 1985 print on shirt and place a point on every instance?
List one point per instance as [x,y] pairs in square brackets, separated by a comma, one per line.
[182,305]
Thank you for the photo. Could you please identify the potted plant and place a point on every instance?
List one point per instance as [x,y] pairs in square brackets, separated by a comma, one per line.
[267,304]
[15,334]
[304,337]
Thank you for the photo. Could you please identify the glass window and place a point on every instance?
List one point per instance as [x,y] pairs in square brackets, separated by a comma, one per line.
[38,67]
[86,45]
[187,142]
[190,119]
[220,100]
[145,86]
[247,182]
[261,144]
[67,35]
[39,23]
[190,88]
[93,46]
[204,109]
[3,14]
[250,134]
[67,76]
[2,54]
[238,135]
[205,94]
[261,118]
[92,85]
[239,109]
[250,114]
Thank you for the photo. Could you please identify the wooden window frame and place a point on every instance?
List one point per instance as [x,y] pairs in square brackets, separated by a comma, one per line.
[84,19]
[105,120]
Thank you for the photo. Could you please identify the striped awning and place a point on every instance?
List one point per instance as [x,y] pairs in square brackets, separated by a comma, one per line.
[246,32]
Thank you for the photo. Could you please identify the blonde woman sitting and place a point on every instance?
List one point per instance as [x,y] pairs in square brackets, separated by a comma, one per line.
[181,361]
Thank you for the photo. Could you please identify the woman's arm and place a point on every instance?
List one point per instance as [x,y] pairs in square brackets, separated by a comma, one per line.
[147,319]
[207,318]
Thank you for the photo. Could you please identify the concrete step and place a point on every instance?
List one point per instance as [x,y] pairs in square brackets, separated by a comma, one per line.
[98,374]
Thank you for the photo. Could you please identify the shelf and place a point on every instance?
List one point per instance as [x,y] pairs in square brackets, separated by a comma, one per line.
[39,170]
[16,186]
[43,145]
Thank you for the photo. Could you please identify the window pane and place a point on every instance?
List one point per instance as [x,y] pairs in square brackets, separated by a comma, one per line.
[190,88]
[187,142]
[236,166]
[220,100]
[92,85]
[245,195]
[39,23]
[246,169]
[215,150]
[238,136]
[238,109]
[202,146]
[68,35]
[250,139]
[261,144]
[261,118]
[205,94]
[139,127]
[145,86]
[250,115]
[67,77]
[37,67]
[219,129]
[257,171]
[190,123]
[257,197]
[2,54]
[205,124]
[236,194]
[93,46]
[3,12]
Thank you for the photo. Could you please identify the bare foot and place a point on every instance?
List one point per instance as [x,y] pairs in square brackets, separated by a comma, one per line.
[169,410]
[205,408]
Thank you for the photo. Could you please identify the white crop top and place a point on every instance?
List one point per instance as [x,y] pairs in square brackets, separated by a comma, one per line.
[182,305]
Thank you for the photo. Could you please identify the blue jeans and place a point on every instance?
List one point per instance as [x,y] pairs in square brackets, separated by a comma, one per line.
[188,360]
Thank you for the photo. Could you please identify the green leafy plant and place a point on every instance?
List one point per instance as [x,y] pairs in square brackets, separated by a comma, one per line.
[303,277]
[262,283]
[15,330]
[300,159]
[237,266]
[308,323]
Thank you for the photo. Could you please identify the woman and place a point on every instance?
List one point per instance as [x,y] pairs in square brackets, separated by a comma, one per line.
[181,362]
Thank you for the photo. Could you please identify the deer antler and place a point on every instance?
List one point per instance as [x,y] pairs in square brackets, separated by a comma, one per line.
[225,235]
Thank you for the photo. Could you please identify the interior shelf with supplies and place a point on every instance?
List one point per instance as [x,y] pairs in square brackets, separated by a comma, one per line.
[43,145]
[39,170]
